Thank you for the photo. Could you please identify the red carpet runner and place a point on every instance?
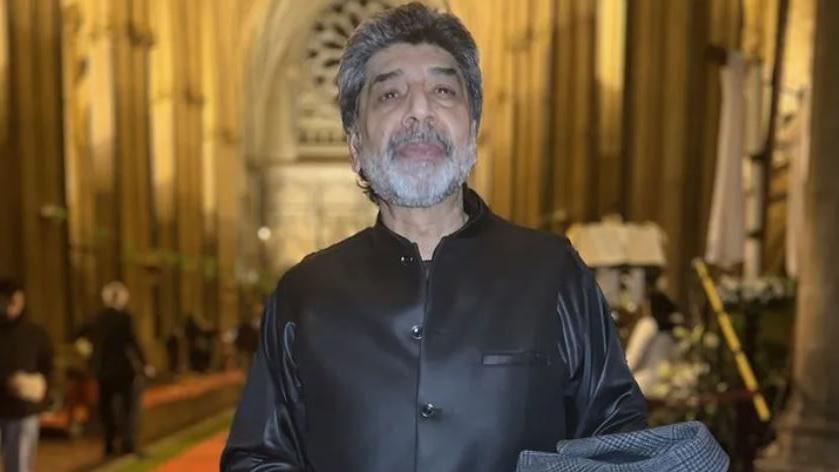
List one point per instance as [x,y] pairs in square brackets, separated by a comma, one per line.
[204,456]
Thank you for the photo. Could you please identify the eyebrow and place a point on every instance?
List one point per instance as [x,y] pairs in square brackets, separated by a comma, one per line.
[449,71]
[385,76]
[439,70]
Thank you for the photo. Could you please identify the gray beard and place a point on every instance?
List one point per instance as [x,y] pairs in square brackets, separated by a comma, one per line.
[418,184]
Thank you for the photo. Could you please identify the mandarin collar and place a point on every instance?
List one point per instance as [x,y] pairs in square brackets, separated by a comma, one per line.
[476,210]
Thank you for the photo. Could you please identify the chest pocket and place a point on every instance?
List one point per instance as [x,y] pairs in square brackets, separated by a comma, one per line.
[515,358]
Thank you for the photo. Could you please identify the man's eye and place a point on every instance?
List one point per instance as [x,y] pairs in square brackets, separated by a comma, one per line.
[390,95]
[445,91]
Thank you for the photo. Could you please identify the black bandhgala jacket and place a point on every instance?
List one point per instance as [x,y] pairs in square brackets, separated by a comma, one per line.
[368,363]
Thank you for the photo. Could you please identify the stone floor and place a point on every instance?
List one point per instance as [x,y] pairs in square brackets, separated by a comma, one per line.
[59,453]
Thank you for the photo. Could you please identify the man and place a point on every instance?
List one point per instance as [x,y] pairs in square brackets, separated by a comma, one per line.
[443,338]
[26,362]
[200,339]
[247,340]
[118,361]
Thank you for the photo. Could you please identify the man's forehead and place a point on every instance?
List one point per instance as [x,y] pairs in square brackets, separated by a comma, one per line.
[404,56]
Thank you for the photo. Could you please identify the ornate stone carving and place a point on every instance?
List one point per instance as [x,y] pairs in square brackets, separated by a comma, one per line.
[319,130]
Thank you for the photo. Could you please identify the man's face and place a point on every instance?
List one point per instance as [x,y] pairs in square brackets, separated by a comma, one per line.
[115,297]
[12,306]
[415,140]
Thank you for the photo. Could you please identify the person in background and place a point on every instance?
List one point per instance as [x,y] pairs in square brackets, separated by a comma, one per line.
[651,343]
[247,341]
[173,351]
[200,338]
[26,362]
[118,362]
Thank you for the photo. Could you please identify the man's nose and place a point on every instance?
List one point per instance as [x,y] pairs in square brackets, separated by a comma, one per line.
[419,109]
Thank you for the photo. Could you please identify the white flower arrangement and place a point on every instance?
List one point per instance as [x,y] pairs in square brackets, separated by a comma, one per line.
[760,291]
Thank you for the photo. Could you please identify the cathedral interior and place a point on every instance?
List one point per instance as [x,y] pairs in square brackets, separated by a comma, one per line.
[194,151]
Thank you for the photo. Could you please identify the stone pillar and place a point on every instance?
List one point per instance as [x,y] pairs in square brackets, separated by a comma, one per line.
[503,113]
[10,241]
[665,91]
[131,40]
[531,56]
[571,137]
[78,62]
[165,111]
[36,161]
[177,103]
[101,163]
[189,176]
[808,430]
[4,75]
[610,60]
[222,165]
[513,156]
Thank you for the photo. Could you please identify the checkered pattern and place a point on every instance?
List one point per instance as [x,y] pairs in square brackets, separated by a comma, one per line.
[678,447]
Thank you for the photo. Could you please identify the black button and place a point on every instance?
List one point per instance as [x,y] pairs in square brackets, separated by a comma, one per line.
[429,411]
[416,332]
[407,259]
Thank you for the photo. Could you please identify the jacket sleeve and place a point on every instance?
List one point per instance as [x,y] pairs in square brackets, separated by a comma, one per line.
[134,343]
[46,356]
[603,397]
[266,431]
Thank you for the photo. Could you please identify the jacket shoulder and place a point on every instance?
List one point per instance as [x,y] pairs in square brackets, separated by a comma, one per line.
[313,266]
[334,254]
[533,244]
[34,329]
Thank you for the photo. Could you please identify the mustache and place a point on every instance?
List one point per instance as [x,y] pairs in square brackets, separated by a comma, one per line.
[425,134]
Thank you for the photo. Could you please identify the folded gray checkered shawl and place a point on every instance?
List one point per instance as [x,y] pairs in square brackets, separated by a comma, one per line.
[682,446]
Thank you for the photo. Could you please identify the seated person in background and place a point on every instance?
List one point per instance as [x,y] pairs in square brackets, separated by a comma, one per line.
[652,343]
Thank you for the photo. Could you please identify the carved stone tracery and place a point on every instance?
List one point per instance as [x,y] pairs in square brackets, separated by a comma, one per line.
[318,124]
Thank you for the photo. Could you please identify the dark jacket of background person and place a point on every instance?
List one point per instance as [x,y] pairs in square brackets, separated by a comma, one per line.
[24,346]
[247,337]
[117,356]
[200,342]
[368,364]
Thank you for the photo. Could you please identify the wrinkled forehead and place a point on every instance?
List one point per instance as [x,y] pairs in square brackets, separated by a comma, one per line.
[409,60]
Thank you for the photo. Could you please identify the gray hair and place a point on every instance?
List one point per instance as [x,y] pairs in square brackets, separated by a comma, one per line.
[413,23]
[115,295]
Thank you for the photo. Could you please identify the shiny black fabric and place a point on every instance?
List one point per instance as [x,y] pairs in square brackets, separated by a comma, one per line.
[367,365]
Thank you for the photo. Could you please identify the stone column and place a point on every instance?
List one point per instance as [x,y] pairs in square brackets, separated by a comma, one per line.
[4,75]
[570,149]
[189,176]
[36,161]
[665,89]
[10,241]
[808,430]
[78,61]
[610,60]
[131,40]
[177,102]
[223,166]
[165,111]
[532,61]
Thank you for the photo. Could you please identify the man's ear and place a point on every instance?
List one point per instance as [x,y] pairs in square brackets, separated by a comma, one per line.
[354,142]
